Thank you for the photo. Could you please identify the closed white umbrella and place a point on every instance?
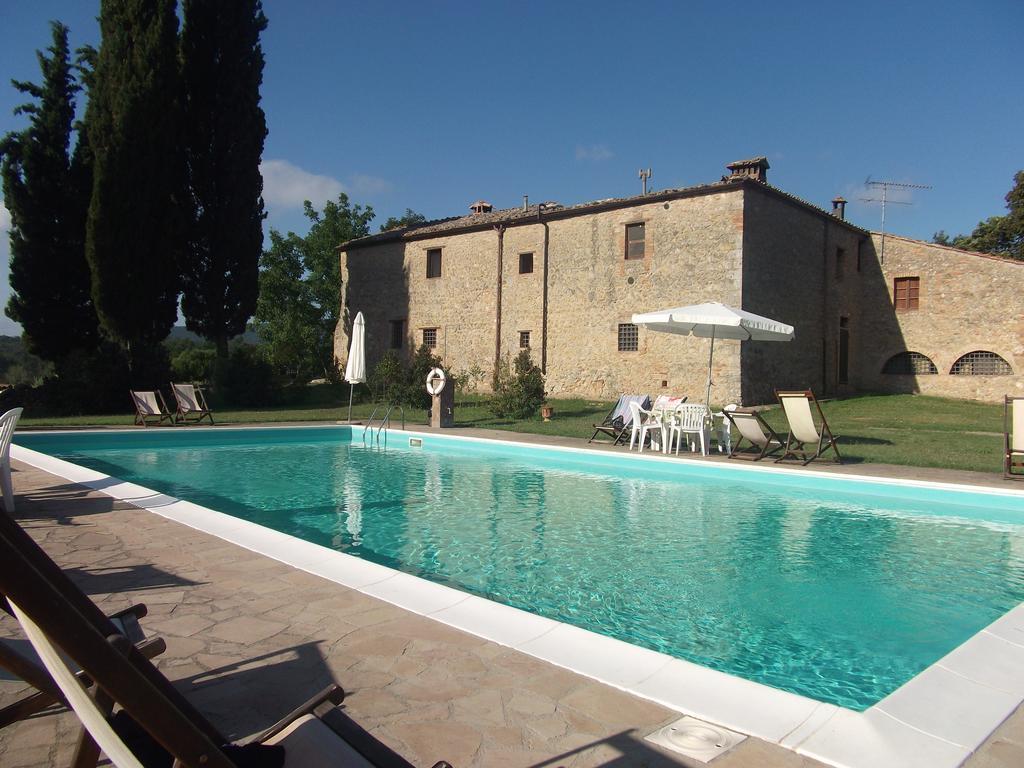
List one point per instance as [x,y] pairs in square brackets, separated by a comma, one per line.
[355,367]
[714,320]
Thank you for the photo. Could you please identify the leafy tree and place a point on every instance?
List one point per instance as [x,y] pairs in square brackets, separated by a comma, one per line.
[300,289]
[409,219]
[47,193]
[222,69]
[999,235]
[134,226]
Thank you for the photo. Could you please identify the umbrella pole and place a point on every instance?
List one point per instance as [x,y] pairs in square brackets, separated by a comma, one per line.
[350,388]
[711,354]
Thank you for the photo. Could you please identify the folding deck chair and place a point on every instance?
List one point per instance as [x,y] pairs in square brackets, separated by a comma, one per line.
[154,717]
[1013,422]
[47,693]
[192,405]
[755,430]
[802,432]
[618,423]
[150,406]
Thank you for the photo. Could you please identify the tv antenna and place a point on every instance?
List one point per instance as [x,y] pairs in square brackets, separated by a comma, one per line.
[644,176]
[885,186]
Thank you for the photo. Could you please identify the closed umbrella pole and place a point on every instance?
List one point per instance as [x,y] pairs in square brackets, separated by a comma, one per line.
[355,367]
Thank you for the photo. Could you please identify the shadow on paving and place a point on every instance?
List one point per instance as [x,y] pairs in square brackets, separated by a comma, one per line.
[247,695]
[124,578]
[633,751]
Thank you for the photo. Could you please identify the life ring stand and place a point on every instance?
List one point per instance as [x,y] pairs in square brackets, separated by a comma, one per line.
[436,381]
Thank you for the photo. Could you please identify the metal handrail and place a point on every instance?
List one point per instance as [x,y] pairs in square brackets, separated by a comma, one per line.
[384,422]
[369,422]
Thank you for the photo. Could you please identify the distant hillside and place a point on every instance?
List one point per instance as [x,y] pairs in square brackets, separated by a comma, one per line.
[181,333]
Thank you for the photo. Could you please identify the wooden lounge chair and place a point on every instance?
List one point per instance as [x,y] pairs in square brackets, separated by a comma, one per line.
[153,715]
[47,693]
[802,432]
[150,408]
[1013,421]
[192,407]
[617,424]
[7,424]
[755,430]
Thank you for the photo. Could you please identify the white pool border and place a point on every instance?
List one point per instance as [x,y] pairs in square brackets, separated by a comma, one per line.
[937,719]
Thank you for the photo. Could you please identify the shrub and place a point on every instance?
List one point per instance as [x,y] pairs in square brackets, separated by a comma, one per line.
[193,364]
[246,380]
[415,395]
[387,378]
[518,389]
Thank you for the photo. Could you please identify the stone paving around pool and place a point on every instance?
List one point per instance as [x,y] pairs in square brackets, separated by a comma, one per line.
[249,638]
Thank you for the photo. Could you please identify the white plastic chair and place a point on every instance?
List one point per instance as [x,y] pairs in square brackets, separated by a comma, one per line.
[645,422]
[7,424]
[689,419]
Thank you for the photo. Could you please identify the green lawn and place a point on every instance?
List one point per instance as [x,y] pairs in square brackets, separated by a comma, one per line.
[894,429]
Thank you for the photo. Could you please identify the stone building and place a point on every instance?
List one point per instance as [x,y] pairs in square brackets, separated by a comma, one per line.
[564,281]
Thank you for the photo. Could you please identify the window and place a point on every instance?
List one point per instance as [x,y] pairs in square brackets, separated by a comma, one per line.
[981,363]
[525,263]
[844,350]
[905,291]
[909,364]
[629,338]
[434,262]
[430,337]
[397,334]
[635,239]
[524,339]
[840,263]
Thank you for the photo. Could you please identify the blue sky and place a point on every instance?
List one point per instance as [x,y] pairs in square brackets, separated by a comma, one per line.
[432,105]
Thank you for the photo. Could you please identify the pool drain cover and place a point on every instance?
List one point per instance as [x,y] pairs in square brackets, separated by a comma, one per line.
[695,738]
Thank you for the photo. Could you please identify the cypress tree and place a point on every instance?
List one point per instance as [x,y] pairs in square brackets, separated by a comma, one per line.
[47,193]
[222,66]
[134,226]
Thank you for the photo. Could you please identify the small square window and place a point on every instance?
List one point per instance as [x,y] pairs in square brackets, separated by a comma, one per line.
[525,263]
[434,262]
[635,240]
[629,337]
[905,292]
[397,334]
[524,339]
[430,337]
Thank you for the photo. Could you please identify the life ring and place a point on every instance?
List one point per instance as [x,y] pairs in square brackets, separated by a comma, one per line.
[436,381]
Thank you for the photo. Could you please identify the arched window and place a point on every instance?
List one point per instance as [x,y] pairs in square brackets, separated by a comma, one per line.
[909,364]
[981,363]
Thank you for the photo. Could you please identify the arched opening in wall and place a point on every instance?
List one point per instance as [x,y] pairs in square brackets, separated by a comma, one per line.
[909,364]
[981,363]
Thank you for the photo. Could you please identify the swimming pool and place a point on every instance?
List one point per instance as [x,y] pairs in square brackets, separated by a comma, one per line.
[836,590]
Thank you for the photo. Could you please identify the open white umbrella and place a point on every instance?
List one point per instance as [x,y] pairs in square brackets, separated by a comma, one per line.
[714,320]
[355,368]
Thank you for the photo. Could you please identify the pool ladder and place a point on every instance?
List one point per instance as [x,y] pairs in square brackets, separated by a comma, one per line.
[385,422]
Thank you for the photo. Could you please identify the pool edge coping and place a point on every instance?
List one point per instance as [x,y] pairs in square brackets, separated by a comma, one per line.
[881,735]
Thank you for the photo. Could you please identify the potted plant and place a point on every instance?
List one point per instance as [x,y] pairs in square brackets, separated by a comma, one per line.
[547,411]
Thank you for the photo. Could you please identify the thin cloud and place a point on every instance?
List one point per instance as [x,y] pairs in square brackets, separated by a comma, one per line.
[595,153]
[286,185]
[363,185]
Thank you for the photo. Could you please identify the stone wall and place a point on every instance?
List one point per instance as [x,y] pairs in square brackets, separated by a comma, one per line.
[968,302]
[799,267]
[693,254]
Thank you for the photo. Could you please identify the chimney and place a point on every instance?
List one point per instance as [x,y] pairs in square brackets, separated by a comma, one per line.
[755,168]
[839,207]
[481,206]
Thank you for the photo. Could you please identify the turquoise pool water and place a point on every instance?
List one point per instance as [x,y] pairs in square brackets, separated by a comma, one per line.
[837,590]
